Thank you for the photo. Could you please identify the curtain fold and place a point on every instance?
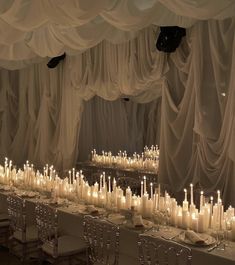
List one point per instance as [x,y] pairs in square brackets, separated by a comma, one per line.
[197,126]
[32,29]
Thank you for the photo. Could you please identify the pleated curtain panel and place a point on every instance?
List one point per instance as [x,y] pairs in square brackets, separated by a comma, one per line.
[110,53]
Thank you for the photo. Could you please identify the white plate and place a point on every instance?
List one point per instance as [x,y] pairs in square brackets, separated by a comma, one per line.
[146,225]
[208,240]
[117,219]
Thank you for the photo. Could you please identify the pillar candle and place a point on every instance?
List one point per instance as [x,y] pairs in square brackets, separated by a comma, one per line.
[144,201]
[233,228]
[179,217]
[194,223]
[201,221]
[128,198]
[185,219]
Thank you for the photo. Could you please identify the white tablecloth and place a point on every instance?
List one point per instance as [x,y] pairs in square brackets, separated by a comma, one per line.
[72,223]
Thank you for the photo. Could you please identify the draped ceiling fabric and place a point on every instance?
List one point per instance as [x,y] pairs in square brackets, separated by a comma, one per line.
[110,47]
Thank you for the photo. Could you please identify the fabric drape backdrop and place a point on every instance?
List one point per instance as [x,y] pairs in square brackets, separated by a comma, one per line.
[41,109]
[118,125]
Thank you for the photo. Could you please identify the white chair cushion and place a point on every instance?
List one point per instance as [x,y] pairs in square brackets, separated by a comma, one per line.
[67,245]
[31,234]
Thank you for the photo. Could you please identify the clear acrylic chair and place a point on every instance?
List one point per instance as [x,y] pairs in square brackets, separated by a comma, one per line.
[23,241]
[4,229]
[57,248]
[158,251]
[102,239]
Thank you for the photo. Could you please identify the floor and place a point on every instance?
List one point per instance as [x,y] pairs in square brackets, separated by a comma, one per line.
[8,259]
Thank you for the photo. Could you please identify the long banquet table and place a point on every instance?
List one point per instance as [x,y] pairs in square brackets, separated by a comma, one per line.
[71,222]
[90,168]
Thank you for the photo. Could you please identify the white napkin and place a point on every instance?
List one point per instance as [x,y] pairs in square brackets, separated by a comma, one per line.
[91,209]
[137,220]
[194,237]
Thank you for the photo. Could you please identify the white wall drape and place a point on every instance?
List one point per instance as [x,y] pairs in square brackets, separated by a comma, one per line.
[34,111]
[197,139]
[41,109]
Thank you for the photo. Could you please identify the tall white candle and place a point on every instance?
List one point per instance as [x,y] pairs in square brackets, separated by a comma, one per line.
[70,178]
[142,188]
[159,195]
[103,179]
[191,194]
[201,200]
[144,184]
[101,176]
[109,179]
[218,196]
[151,190]
[73,175]
[185,202]
[211,211]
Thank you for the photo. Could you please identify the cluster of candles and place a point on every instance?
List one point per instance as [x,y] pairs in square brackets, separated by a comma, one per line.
[107,194]
[152,152]
[136,162]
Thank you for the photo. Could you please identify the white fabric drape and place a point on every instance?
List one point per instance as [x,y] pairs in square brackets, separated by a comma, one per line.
[118,125]
[34,124]
[197,139]
[31,29]
[40,110]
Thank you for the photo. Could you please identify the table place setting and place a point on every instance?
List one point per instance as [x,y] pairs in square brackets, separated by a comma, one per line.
[192,238]
[86,209]
[26,194]
[116,218]
[187,237]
